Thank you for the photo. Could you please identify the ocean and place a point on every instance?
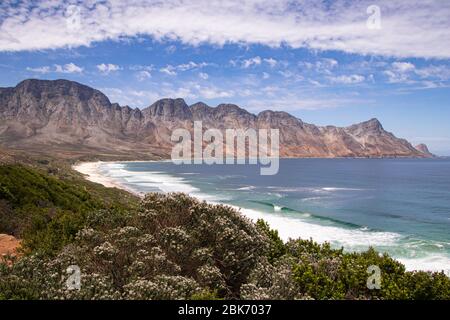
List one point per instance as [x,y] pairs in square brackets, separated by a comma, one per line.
[398,206]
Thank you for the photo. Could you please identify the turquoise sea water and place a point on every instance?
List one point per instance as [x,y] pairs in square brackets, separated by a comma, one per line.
[399,206]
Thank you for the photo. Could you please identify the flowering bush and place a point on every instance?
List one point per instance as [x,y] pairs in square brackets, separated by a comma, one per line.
[176,247]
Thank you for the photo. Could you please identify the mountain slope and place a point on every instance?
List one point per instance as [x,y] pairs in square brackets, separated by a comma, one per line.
[66,116]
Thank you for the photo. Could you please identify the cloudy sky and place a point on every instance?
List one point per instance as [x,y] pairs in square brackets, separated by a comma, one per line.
[327,62]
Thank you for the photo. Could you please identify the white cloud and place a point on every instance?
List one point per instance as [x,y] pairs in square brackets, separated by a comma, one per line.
[143,75]
[203,75]
[131,97]
[403,66]
[326,65]
[107,68]
[306,65]
[68,68]
[169,70]
[43,70]
[394,77]
[400,72]
[428,77]
[214,93]
[180,92]
[292,103]
[440,72]
[255,61]
[172,70]
[143,72]
[271,61]
[288,74]
[194,90]
[409,28]
[191,65]
[348,79]
[139,67]
[265,75]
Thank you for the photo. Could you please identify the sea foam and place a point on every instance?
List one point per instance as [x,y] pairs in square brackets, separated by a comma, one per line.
[352,239]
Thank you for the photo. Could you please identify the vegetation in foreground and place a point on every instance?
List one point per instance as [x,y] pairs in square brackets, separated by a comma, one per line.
[46,206]
[172,247]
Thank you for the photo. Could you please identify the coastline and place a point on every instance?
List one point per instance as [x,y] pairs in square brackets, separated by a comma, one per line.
[91,172]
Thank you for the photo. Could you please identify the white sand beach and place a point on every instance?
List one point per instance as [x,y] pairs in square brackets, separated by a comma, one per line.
[91,172]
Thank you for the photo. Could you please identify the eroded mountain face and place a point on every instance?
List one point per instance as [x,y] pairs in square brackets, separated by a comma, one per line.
[72,116]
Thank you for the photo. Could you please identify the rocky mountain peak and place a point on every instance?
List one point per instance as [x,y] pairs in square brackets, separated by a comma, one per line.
[48,89]
[373,123]
[233,116]
[226,108]
[66,114]
[200,106]
[372,126]
[202,112]
[424,149]
[270,116]
[169,109]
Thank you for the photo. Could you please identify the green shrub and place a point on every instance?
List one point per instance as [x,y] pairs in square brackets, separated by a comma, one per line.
[277,247]
[172,246]
[47,211]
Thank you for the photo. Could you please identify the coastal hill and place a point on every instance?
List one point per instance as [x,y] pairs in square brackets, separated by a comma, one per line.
[70,118]
[424,149]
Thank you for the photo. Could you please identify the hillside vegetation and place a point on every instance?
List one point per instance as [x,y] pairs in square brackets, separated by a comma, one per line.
[46,206]
[172,246]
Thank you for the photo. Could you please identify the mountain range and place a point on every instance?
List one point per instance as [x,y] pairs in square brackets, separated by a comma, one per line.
[66,117]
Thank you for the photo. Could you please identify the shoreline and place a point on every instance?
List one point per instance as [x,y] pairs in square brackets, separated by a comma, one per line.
[90,170]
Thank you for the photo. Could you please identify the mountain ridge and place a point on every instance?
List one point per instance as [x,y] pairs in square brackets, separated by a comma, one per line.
[68,115]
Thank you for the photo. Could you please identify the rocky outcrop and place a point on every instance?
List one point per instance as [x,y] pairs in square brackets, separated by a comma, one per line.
[9,247]
[45,114]
[424,149]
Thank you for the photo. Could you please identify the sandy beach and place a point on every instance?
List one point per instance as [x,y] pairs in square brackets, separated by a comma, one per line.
[91,172]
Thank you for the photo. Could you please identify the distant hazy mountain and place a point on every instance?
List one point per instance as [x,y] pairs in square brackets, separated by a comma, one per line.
[63,115]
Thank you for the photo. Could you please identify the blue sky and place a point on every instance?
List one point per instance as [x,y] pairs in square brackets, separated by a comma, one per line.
[320,61]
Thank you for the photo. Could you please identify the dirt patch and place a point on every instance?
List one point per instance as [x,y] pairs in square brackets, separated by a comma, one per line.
[9,245]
